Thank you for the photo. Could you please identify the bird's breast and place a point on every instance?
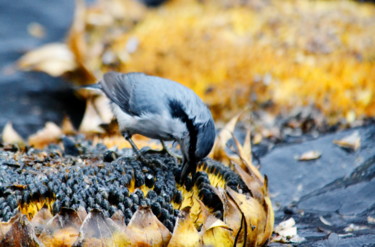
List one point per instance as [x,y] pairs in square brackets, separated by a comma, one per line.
[155,126]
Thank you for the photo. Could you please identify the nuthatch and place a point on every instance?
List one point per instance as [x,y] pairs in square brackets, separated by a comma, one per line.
[161,109]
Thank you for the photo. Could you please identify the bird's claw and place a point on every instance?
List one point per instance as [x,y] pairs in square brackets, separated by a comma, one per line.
[156,162]
[151,162]
[171,153]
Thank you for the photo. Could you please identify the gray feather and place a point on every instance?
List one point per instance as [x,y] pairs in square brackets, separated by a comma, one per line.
[138,93]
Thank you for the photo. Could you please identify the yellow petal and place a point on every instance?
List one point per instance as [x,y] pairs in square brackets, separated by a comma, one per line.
[185,234]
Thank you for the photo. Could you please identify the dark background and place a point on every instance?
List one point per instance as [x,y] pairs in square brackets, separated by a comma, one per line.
[29,99]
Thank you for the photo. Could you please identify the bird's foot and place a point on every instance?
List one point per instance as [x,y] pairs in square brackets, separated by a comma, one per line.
[149,161]
[170,152]
[140,153]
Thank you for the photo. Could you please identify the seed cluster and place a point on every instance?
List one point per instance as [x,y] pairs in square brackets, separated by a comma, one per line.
[80,174]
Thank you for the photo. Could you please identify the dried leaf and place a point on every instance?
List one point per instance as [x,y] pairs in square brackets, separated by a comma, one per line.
[353,227]
[270,221]
[324,221]
[50,133]
[91,120]
[352,141]
[223,137]
[257,139]
[102,107]
[67,127]
[11,136]
[145,229]
[5,227]
[309,155]
[287,232]
[247,147]
[244,153]
[199,212]
[54,59]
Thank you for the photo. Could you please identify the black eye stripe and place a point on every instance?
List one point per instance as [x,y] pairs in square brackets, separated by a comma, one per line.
[177,111]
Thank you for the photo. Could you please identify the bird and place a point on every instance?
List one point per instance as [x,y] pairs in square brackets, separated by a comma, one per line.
[162,109]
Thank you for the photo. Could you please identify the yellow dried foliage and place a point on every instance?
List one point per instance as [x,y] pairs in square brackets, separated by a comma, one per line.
[54,59]
[232,52]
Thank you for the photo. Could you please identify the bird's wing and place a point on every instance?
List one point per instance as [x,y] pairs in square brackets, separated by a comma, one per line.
[134,93]
[138,93]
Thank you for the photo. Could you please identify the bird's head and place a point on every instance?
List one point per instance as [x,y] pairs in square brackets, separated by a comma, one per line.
[199,136]
[197,145]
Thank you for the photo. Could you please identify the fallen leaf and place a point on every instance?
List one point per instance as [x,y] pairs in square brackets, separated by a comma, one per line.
[218,151]
[324,221]
[50,133]
[257,139]
[54,59]
[11,136]
[286,232]
[67,126]
[352,141]
[91,120]
[309,155]
[353,228]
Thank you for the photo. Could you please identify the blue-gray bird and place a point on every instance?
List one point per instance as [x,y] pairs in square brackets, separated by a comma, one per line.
[161,109]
